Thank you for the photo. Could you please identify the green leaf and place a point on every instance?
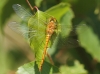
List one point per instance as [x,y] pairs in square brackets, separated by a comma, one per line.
[31,68]
[89,40]
[66,23]
[76,69]
[37,25]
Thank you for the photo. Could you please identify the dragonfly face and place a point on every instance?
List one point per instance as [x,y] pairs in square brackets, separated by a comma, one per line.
[52,19]
[52,26]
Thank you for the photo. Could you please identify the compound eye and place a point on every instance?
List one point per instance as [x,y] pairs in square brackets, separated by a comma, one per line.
[55,20]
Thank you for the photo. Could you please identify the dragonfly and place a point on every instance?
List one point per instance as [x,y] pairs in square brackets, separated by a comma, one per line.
[39,29]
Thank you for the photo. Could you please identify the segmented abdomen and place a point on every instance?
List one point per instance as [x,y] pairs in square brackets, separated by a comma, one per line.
[45,50]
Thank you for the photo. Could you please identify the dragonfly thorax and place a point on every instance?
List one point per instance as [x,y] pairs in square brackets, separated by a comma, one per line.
[51,26]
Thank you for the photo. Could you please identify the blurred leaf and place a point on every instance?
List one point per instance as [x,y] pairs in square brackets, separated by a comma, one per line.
[38,2]
[84,7]
[66,23]
[3,61]
[76,69]
[31,68]
[89,40]
[46,4]
[58,10]
[70,1]
[2,3]
[3,58]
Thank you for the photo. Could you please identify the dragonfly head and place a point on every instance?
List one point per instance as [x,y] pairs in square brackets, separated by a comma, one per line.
[52,19]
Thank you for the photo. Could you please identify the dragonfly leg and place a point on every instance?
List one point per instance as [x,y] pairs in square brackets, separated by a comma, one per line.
[50,59]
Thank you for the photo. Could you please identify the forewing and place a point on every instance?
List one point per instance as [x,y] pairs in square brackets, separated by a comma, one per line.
[21,29]
[22,12]
[35,23]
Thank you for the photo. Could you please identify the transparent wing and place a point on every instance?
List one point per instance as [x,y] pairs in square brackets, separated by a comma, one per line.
[22,12]
[21,29]
[35,23]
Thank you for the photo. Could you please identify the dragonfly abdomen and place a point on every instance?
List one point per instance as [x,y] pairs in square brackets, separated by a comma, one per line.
[45,50]
[51,26]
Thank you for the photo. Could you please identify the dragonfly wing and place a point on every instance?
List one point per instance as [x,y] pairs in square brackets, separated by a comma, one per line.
[22,12]
[38,42]
[39,26]
[21,29]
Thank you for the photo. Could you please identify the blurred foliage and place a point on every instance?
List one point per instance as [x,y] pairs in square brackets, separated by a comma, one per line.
[76,69]
[84,45]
